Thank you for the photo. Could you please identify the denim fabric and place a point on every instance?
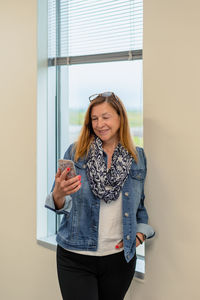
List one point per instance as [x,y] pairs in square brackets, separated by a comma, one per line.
[79,226]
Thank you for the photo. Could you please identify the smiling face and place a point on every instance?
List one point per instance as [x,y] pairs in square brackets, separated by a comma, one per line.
[105,123]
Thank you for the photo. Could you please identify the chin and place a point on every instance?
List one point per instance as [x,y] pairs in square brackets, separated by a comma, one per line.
[103,138]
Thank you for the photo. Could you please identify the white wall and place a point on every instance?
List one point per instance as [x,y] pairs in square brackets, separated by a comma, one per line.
[27,270]
[171,124]
[172,145]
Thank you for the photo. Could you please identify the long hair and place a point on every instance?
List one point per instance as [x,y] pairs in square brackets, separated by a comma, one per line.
[86,136]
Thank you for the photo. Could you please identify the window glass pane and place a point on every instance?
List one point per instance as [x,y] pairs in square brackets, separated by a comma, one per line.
[123,78]
[78,82]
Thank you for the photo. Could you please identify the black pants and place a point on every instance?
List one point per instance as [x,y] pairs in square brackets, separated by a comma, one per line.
[85,277]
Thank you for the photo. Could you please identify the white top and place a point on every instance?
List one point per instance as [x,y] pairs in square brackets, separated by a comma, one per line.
[110,229]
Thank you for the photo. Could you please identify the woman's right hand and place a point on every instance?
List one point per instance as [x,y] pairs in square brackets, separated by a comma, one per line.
[64,187]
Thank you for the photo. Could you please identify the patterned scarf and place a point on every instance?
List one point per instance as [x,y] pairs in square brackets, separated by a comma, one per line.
[107,184]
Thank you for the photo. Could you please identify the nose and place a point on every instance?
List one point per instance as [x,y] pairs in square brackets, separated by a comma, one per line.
[100,123]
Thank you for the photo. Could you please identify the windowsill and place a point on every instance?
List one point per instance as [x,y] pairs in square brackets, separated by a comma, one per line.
[50,243]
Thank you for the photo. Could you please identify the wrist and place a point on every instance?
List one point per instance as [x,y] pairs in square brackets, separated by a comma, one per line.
[58,201]
[55,197]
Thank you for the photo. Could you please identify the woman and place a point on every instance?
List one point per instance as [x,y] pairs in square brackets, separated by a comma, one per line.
[103,206]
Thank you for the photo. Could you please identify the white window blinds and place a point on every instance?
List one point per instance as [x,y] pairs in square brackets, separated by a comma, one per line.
[90,27]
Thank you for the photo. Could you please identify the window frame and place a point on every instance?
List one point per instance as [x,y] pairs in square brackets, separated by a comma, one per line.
[45,236]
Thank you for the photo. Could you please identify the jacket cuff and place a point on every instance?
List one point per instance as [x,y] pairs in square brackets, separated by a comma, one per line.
[145,229]
[49,203]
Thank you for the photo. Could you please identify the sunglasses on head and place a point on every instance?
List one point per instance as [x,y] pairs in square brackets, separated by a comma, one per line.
[105,94]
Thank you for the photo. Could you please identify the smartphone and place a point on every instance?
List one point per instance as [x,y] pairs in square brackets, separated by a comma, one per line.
[66,163]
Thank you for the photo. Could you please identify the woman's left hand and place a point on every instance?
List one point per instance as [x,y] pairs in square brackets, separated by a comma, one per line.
[121,244]
[141,236]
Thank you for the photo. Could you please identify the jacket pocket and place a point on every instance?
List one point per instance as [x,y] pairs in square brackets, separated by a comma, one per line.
[138,174]
[80,166]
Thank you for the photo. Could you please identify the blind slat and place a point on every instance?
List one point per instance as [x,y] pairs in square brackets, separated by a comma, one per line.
[90,27]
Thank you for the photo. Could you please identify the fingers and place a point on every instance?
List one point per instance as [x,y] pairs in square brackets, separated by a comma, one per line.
[63,186]
[74,190]
[58,173]
[139,238]
[62,177]
[64,174]
[119,245]
[72,184]
[137,243]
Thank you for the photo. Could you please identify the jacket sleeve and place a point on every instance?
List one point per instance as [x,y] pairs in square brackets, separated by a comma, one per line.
[142,215]
[49,203]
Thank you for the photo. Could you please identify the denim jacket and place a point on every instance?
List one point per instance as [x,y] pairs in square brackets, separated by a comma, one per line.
[79,226]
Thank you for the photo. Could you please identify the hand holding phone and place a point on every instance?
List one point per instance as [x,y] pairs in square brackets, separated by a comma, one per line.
[66,183]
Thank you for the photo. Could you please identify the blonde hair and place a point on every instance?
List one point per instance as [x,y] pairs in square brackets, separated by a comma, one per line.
[86,136]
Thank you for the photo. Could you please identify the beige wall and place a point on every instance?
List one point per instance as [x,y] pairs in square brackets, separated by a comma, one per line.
[171,121]
[27,270]
[172,145]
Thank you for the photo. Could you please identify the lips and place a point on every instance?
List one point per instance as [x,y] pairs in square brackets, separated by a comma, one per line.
[103,132]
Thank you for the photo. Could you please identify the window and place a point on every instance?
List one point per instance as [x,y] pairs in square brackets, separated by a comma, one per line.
[93,46]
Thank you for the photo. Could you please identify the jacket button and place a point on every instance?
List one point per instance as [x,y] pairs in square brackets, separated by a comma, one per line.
[128,237]
[126,214]
[126,194]
[84,166]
